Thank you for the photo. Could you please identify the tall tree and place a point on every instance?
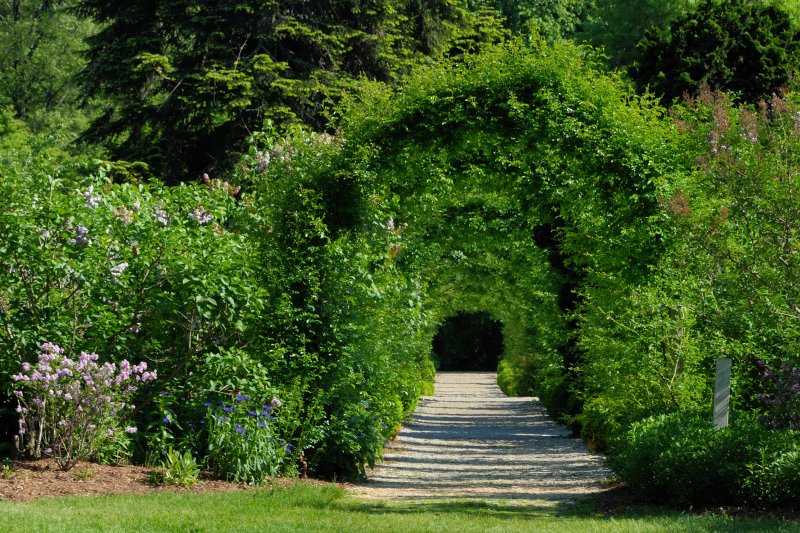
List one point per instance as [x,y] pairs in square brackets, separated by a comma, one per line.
[552,19]
[41,44]
[741,46]
[617,25]
[189,80]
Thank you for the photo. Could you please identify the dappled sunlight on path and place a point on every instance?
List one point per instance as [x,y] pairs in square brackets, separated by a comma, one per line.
[470,440]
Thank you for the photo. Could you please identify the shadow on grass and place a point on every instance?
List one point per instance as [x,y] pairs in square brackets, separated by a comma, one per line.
[617,504]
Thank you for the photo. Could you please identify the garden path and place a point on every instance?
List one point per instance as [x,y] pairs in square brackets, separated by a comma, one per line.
[470,440]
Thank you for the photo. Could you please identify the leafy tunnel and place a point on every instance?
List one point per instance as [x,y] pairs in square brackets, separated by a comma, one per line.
[511,185]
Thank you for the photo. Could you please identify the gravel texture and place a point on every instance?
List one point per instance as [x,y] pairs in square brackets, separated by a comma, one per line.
[470,440]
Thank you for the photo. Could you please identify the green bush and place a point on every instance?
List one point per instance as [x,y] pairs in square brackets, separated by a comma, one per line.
[680,459]
[242,444]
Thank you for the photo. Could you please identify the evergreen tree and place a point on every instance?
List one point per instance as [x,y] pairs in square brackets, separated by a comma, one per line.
[736,45]
[41,44]
[190,80]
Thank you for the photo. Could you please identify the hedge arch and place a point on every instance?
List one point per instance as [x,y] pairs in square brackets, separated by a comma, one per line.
[525,176]
[513,183]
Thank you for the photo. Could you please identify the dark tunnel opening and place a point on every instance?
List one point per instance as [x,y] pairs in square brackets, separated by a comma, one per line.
[469,342]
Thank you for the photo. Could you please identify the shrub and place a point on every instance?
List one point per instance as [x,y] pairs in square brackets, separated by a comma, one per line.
[783,400]
[680,459]
[242,445]
[73,407]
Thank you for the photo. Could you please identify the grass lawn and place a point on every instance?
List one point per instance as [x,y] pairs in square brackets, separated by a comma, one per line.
[307,508]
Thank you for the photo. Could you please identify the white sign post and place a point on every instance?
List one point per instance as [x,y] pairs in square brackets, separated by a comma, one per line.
[722,393]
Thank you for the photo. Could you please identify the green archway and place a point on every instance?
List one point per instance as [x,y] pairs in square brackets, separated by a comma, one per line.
[511,183]
[523,175]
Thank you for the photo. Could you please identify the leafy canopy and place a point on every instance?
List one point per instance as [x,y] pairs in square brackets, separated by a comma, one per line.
[192,80]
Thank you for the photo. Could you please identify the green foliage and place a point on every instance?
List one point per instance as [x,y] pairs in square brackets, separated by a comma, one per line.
[190,82]
[736,218]
[749,48]
[552,19]
[680,459]
[138,270]
[617,25]
[41,46]
[348,328]
[242,445]
[179,469]
[527,179]
[144,272]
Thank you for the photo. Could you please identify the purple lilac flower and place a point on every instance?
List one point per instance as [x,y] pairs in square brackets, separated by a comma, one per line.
[130,430]
[160,216]
[80,236]
[91,200]
[200,215]
[118,270]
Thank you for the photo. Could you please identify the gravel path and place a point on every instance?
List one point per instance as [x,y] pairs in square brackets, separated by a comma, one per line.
[472,441]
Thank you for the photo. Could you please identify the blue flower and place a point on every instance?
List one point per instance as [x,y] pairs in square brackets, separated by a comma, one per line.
[227,409]
[222,419]
[240,431]
[252,413]
[166,420]
[241,397]
[207,404]
[262,424]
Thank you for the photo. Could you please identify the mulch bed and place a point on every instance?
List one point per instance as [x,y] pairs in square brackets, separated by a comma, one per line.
[30,480]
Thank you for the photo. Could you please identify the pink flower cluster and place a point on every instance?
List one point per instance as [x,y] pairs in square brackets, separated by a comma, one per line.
[68,405]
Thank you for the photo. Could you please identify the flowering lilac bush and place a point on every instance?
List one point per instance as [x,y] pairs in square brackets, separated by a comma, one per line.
[69,408]
[783,400]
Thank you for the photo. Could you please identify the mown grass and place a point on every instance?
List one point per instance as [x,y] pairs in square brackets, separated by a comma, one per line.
[308,508]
